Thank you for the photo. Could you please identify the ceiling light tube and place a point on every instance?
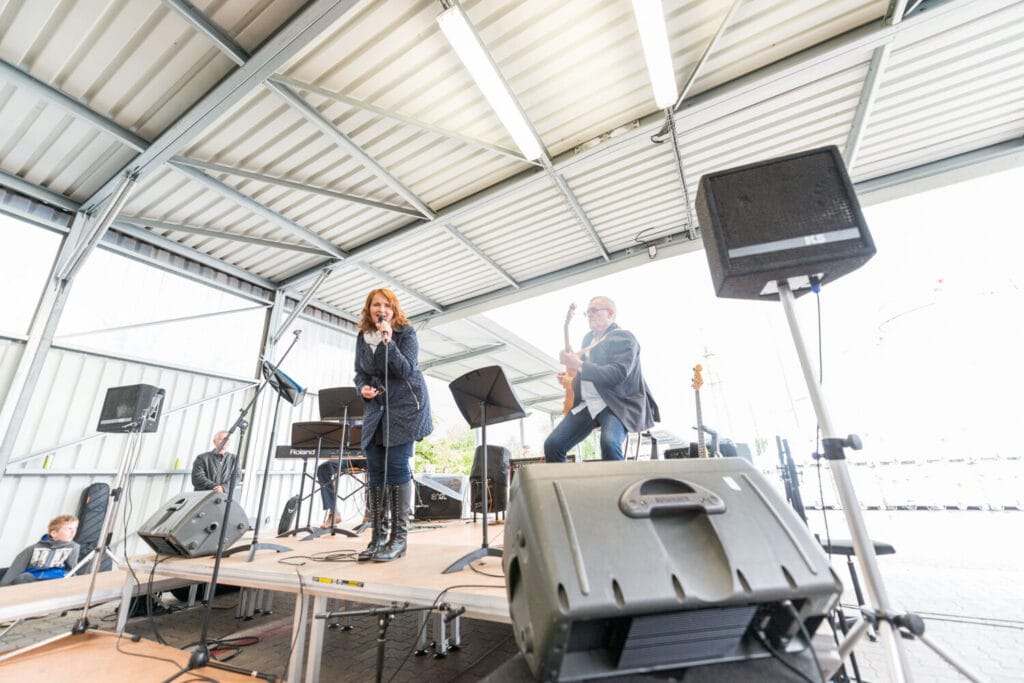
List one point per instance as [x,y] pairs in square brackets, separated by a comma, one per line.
[650,20]
[481,67]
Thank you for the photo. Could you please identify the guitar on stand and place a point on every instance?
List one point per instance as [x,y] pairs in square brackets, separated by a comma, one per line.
[569,374]
[698,382]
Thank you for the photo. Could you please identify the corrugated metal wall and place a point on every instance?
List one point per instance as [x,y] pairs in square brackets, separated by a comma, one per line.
[59,453]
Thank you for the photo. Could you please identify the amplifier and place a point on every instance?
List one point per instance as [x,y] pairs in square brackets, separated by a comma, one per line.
[439,496]
[498,462]
[626,567]
[793,218]
[126,408]
[188,525]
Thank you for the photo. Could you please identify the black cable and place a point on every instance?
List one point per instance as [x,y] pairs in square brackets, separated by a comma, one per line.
[295,631]
[807,637]
[423,626]
[778,656]
[817,428]
[483,573]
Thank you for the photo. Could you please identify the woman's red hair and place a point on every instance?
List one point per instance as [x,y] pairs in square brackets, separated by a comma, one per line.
[366,321]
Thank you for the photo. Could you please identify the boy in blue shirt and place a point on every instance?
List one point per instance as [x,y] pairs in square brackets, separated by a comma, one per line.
[51,558]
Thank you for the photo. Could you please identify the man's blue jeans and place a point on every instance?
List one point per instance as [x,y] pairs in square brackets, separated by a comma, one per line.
[575,427]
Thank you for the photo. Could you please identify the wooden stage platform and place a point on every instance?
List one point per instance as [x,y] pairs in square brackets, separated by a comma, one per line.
[94,657]
[325,568]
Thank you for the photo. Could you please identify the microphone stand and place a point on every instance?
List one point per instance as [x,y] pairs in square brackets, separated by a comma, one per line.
[200,656]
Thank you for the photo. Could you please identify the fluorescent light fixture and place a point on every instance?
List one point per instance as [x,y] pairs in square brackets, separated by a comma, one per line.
[467,46]
[650,19]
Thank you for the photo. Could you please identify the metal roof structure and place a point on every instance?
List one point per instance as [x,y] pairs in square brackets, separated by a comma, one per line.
[323,148]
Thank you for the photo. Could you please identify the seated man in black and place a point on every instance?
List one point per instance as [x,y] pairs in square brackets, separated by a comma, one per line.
[211,470]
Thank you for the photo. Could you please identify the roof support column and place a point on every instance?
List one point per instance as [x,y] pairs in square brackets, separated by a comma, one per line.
[40,339]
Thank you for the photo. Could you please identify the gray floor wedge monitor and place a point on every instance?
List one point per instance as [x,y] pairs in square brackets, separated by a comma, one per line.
[188,525]
[791,218]
[628,567]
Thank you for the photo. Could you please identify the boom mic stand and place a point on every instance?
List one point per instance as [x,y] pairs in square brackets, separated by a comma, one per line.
[200,656]
[286,388]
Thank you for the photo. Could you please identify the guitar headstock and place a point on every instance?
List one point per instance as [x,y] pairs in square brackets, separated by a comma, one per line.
[698,381]
[570,313]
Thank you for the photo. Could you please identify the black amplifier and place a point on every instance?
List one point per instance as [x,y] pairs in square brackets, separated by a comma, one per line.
[439,497]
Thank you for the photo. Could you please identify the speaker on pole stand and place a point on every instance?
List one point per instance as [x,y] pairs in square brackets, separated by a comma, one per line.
[775,230]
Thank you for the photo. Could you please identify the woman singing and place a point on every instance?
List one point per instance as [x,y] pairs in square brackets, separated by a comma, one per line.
[397,413]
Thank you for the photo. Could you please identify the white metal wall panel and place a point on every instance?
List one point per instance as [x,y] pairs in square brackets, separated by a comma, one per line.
[46,479]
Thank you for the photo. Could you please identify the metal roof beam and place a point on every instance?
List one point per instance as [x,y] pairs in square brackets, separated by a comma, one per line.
[480,253]
[206,232]
[311,114]
[868,96]
[692,78]
[310,22]
[72,106]
[533,378]
[236,52]
[250,204]
[571,201]
[676,243]
[300,306]
[365,106]
[462,355]
[384,277]
[292,185]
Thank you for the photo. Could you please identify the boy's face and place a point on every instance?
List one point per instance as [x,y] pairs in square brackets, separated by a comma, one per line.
[65,532]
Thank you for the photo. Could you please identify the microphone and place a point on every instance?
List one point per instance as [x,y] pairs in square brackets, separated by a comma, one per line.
[380,319]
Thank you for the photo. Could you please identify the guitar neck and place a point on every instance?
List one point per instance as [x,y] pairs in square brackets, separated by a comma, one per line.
[702,449]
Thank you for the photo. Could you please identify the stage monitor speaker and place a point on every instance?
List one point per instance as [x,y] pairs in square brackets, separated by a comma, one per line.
[620,568]
[125,408]
[499,461]
[188,525]
[795,218]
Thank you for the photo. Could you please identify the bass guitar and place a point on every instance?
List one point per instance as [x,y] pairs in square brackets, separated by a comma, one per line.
[698,382]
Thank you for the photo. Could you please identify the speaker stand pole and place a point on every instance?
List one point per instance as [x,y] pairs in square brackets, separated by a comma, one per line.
[133,447]
[484,550]
[863,547]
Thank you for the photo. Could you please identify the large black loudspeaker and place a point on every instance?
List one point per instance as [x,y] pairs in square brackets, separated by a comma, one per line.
[439,496]
[125,408]
[189,525]
[791,218]
[615,568]
[498,463]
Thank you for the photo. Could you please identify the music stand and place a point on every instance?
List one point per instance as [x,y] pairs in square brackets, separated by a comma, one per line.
[345,405]
[315,435]
[289,390]
[484,397]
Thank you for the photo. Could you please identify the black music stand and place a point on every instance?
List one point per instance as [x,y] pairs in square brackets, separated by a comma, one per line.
[289,390]
[345,405]
[484,397]
[315,435]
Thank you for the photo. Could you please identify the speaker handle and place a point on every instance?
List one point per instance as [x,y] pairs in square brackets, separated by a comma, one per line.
[638,505]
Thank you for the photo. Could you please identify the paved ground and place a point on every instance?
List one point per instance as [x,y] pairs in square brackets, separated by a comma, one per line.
[962,570]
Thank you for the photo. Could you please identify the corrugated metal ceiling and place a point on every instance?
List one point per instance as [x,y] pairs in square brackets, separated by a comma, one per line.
[280,137]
